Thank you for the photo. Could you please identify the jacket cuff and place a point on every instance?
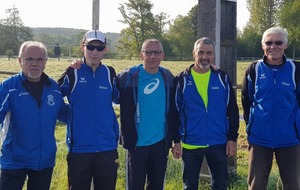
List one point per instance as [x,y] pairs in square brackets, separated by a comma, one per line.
[233,137]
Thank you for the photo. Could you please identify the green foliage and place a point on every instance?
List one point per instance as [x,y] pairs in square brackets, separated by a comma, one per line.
[182,37]
[289,19]
[249,43]
[290,14]
[142,24]
[263,13]
[193,15]
[127,46]
[12,31]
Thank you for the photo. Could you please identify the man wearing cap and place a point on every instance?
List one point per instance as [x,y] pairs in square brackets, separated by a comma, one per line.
[93,131]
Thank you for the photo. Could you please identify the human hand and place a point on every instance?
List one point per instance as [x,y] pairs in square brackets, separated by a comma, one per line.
[231,148]
[76,64]
[177,151]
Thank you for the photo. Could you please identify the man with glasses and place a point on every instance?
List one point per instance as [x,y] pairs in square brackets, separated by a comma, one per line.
[30,103]
[149,119]
[93,131]
[270,98]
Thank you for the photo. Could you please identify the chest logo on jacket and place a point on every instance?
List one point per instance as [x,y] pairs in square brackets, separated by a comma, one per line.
[82,80]
[151,87]
[262,76]
[50,100]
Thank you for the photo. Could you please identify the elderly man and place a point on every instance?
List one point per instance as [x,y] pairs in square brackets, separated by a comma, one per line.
[30,103]
[270,98]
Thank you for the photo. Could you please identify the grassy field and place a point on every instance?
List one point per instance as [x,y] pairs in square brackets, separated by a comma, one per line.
[55,68]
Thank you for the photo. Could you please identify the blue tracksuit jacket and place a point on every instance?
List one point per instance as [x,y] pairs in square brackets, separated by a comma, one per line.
[28,129]
[92,125]
[217,123]
[270,98]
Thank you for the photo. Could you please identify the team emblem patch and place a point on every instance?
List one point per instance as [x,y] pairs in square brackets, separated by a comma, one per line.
[50,100]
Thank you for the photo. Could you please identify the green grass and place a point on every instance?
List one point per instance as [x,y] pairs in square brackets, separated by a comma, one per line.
[55,68]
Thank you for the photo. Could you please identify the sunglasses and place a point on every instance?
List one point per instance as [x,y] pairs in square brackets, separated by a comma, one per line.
[92,47]
[278,43]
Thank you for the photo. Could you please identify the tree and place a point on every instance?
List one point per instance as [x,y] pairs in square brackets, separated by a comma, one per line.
[249,43]
[182,37]
[12,31]
[263,13]
[193,16]
[289,19]
[142,24]
[162,21]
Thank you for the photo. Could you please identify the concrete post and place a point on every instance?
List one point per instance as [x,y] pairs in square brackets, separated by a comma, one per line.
[96,13]
[217,20]
[95,26]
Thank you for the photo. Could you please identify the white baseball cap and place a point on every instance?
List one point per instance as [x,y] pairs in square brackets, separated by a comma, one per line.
[93,35]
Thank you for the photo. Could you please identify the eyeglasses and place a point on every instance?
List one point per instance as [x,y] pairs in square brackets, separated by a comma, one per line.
[92,47]
[32,60]
[278,43]
[150,53]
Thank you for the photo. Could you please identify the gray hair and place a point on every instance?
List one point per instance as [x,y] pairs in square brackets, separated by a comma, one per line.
[32,43]
[152,40]
[204,40]
[275,30]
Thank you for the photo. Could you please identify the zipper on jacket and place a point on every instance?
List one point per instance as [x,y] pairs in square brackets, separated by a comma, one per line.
[207,130]
[274,94]
[40,146]
[274,72]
